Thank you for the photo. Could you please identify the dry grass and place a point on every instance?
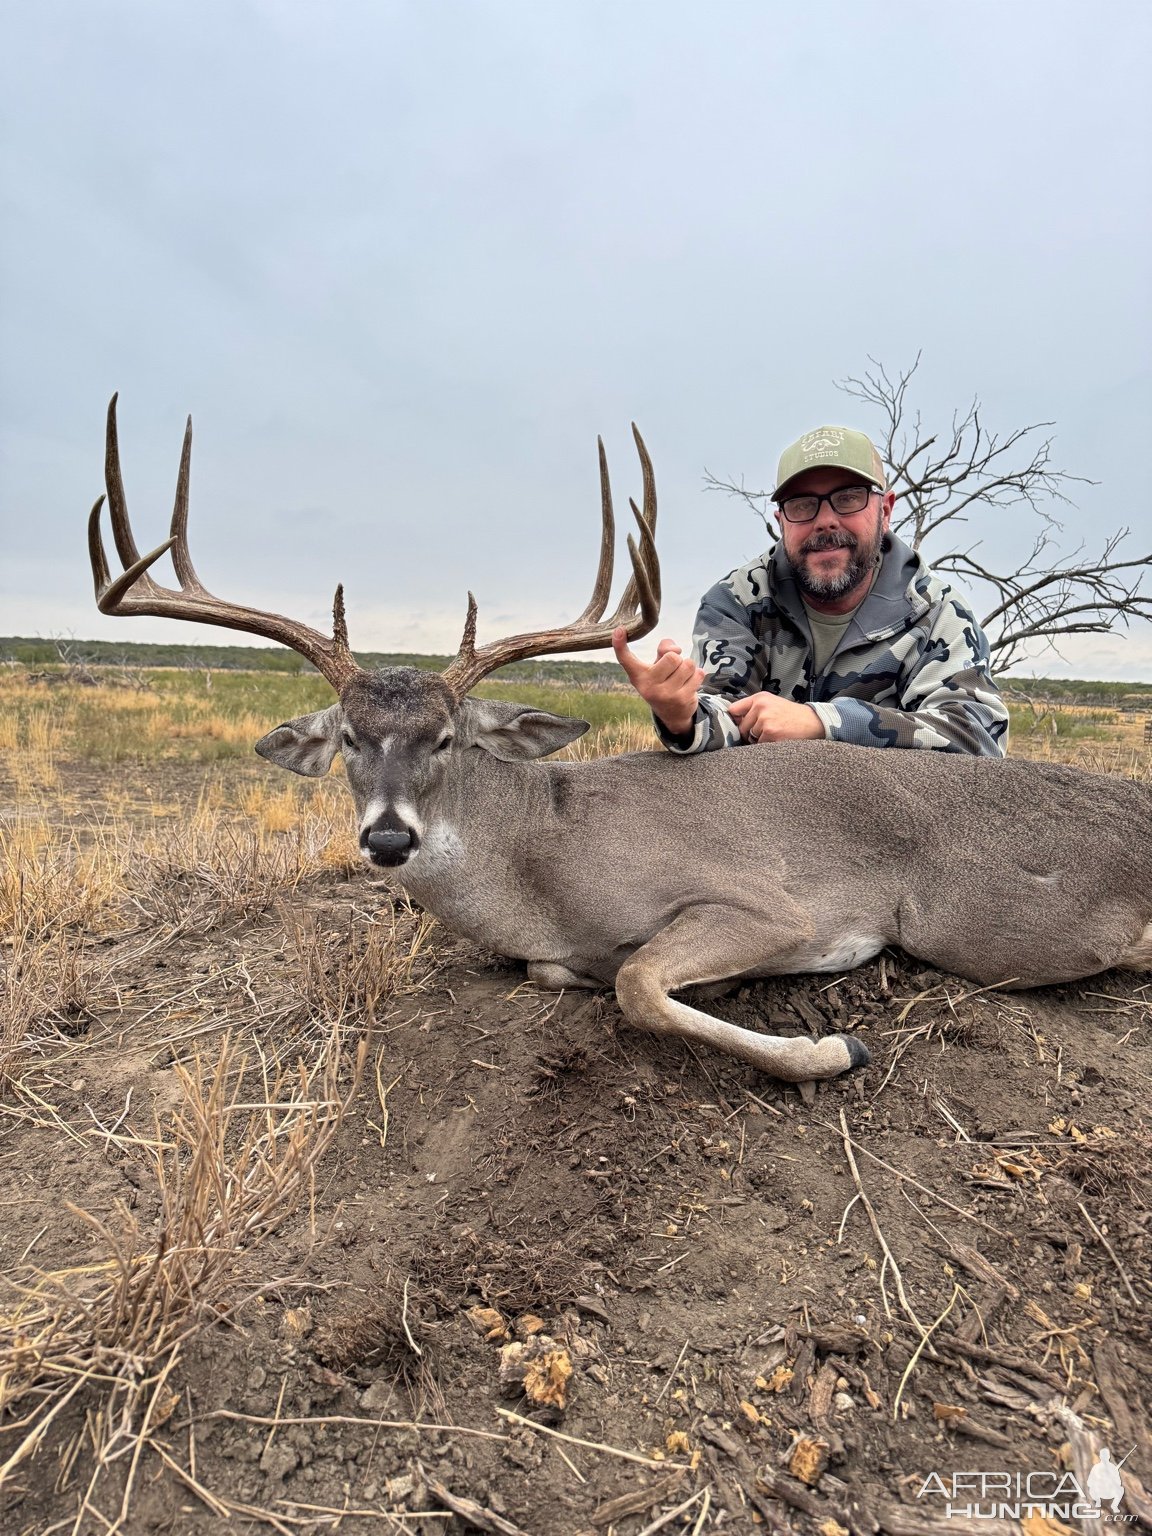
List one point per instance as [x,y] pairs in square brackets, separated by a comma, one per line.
[171,715]
[612,739]
[49,984]
[53,878]
[1098,740]
[230,1164]
[349,975]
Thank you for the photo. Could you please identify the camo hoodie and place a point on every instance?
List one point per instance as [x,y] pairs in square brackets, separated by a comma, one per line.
[910,670]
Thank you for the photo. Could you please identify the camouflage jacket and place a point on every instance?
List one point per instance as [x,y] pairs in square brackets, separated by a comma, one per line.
[910,670]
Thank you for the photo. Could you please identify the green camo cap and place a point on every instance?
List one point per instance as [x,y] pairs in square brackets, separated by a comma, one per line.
[831,448]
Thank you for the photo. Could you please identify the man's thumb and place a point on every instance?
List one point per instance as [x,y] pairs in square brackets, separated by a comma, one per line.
[632,664]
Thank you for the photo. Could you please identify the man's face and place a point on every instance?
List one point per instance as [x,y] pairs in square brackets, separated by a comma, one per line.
[833,554]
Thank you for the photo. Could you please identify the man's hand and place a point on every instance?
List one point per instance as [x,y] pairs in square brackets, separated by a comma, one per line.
[764,717]
[668,686]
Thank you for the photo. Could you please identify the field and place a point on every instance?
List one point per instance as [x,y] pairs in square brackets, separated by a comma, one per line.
[318,1218]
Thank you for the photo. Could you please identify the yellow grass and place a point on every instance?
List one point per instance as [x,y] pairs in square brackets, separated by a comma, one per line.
[52,878]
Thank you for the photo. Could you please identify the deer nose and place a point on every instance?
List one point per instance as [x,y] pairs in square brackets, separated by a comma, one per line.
[390,845]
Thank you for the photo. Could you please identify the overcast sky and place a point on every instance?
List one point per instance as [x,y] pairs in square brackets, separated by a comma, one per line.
[403,260]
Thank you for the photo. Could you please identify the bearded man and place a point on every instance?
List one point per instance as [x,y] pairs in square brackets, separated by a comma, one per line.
[840,631]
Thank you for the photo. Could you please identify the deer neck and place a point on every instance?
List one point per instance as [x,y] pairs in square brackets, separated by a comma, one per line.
[484,817]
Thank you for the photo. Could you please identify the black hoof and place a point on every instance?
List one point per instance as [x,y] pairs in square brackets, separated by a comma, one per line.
[858,1053]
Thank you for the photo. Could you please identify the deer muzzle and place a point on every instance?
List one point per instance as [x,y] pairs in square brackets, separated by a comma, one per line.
[389,847]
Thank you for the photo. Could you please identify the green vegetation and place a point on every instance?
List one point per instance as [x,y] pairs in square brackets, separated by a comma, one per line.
[272,658]
[203,703]
[1083,725]
[1069,690]
[602,674]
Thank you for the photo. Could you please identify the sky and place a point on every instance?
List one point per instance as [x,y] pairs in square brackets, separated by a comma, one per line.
[403,260]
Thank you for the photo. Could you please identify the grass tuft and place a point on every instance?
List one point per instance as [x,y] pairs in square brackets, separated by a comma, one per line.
[231,1163]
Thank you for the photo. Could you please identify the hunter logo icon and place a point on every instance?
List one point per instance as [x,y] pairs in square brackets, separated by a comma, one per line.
[1105,1485]
[823,440]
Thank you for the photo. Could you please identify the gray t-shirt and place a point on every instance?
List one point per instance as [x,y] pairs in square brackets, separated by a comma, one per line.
[827,629]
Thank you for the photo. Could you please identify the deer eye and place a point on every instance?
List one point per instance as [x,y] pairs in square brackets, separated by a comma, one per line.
[443,744]
[347,741]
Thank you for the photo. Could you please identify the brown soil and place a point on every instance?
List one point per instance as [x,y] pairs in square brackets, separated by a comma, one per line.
[684,1229]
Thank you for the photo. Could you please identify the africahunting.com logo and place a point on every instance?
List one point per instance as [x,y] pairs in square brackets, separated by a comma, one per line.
[1024,1495]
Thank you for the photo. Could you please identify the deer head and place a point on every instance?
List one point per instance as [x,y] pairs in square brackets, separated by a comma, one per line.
[400,730]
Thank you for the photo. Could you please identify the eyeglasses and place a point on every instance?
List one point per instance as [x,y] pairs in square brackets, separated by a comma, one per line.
[845,501]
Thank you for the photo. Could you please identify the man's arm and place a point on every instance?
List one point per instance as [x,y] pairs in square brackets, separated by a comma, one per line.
[948,701]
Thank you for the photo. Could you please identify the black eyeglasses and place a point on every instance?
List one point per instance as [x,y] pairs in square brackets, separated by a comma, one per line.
[845,501]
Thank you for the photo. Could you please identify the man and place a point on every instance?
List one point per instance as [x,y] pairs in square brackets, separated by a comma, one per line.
[840,631]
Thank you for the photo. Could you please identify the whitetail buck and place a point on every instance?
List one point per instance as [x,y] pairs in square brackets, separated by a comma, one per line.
[654,872]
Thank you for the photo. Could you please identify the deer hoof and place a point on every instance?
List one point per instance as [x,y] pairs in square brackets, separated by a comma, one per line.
[858,1053]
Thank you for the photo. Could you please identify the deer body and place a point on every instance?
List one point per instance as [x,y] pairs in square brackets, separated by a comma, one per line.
[656,873]
[579,865]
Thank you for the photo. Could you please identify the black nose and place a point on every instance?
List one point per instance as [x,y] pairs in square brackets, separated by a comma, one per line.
[390,844]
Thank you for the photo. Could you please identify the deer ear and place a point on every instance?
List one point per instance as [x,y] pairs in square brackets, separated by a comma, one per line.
[511,731]
[306,745]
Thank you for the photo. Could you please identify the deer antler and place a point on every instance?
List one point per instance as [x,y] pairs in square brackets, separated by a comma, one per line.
[134,591]
[638,610]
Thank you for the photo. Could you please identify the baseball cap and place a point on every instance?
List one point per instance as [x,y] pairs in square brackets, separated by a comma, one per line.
[831,448]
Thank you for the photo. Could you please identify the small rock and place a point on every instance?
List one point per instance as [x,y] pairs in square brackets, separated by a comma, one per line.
[278,1460]
[257,1376]
[844,1402]
[377,1396]
[528,1325]
[593,1307]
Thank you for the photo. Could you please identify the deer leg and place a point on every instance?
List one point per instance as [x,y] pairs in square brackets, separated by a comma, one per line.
[714,943]
[1139,956]
[558,978]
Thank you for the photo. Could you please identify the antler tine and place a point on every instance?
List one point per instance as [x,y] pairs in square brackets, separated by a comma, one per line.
[134,592]
[603,584]
[648,519]
[638,610]
[181,558]
[467,651]
[117,501]
[101,575]
[339,620]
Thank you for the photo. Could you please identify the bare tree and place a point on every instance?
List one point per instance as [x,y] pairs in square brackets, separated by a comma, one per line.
[941,479]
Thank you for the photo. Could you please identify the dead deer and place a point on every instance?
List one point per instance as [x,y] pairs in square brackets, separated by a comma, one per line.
[655,873]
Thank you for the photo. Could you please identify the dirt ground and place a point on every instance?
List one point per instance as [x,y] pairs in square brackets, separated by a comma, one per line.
[599,1277]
